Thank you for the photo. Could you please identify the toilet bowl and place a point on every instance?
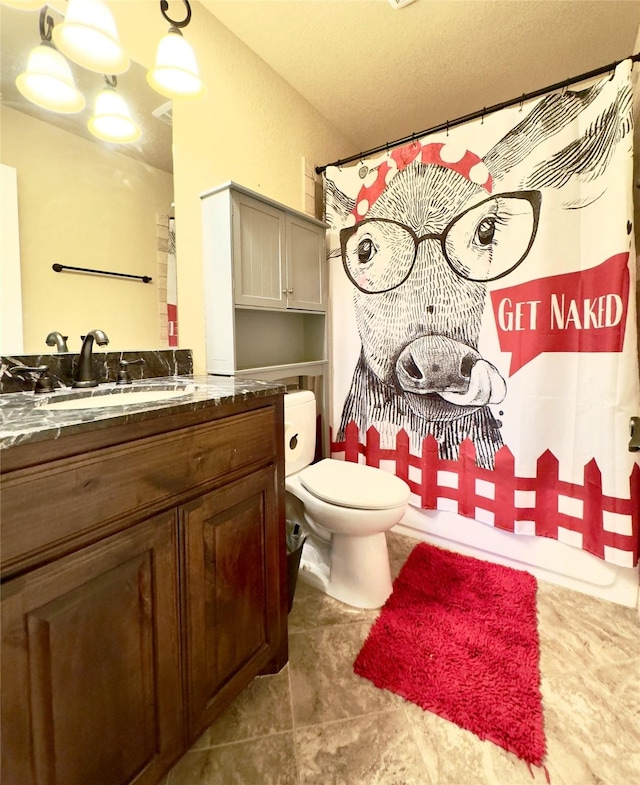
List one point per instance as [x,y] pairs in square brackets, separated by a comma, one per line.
[348,507]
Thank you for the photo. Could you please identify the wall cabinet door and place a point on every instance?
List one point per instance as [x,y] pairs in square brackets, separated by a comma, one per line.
[278,257]
[305,265]
[258,253]
[232,592]
[91,675]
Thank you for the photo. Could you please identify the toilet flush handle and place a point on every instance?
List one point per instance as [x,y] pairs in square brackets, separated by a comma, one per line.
[634,433]
[291,440]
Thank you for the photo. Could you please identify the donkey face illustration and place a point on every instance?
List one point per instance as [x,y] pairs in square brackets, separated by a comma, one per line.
[430,227]
[426,282]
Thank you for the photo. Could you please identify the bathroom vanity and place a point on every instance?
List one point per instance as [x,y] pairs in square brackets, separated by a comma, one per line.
[143,574]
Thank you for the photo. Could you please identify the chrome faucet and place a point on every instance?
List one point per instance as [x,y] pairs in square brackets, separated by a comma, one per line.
[85,376]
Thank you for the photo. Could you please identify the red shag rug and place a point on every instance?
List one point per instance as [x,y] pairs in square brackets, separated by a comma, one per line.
[459,637]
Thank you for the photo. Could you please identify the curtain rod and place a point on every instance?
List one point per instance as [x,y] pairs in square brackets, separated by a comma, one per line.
[480,113]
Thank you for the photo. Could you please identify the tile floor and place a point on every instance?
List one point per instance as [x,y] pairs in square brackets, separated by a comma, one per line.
[317,723]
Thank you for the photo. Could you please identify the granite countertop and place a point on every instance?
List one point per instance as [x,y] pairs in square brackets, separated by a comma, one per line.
[24,416]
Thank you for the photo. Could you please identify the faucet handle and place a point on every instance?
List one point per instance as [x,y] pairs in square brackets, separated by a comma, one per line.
[44,383]
[123,376]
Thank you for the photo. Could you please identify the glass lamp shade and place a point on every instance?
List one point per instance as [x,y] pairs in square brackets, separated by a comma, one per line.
[48,81]
[111,119]
[88,36]
[175,73]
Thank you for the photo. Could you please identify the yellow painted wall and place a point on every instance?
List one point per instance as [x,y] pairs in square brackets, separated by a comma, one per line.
[251,127]
[85,205]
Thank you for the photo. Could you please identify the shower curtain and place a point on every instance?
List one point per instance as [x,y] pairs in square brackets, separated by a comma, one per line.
[483,327]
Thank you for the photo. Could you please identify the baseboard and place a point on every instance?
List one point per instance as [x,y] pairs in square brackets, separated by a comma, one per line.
[547,559]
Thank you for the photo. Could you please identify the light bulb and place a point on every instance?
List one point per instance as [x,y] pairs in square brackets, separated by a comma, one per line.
[175,73]
[111,119]
[89,37]
[48,81]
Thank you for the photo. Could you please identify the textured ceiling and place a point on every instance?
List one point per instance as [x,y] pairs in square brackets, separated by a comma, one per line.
[380,74]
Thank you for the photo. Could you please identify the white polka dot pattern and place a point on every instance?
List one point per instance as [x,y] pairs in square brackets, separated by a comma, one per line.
[450,155]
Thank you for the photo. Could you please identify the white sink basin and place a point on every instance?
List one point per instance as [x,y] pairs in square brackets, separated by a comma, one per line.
[120,398]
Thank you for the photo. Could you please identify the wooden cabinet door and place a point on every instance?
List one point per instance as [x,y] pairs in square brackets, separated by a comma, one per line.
[234,593]
[258,253]
[306,260]
[90,664]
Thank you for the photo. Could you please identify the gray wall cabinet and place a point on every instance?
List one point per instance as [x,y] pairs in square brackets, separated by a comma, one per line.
[265,286]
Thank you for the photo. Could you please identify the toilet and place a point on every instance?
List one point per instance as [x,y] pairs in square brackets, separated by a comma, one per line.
[347,508]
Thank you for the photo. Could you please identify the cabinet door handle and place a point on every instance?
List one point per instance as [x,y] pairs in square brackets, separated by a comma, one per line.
[284,291]
[289,291]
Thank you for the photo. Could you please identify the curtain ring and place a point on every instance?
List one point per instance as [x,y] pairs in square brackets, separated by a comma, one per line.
[447,128]
[522,101]
[484,109]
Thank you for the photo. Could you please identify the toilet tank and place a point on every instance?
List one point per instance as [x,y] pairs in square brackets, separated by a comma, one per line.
[299,430]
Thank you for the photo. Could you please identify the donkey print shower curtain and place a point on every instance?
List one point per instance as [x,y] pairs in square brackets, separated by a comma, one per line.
[483,323]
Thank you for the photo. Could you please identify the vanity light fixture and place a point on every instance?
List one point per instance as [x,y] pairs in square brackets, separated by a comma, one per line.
[175,73]
[111,119]
[48,81]
[88,36]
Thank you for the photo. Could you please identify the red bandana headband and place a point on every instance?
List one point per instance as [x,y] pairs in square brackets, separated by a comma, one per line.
[451,156]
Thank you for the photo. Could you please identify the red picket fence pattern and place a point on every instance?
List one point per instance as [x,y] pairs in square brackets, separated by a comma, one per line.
[546,485]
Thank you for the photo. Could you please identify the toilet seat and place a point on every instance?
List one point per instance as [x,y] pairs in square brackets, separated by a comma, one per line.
[348,484]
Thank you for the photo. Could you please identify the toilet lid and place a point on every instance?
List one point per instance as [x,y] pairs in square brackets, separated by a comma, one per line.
[354,485]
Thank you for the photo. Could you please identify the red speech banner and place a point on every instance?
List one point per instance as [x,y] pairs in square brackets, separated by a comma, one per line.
[584,311]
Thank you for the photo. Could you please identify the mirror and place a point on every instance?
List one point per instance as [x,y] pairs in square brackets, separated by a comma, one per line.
[82,202]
